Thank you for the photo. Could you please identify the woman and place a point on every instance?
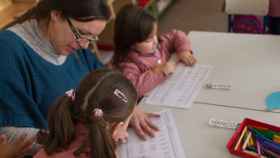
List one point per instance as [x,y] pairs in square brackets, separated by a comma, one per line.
[46,55]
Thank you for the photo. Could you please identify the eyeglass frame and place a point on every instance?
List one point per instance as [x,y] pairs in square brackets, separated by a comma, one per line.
[78,35]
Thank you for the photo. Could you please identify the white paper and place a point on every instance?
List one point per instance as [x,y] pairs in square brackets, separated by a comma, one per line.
[166,143]
[181,88]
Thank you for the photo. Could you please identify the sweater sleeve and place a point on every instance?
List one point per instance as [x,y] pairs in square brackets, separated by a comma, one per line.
[17,106]
[143,81]
[176,41]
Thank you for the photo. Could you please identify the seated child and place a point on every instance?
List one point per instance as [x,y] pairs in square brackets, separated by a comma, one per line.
[142,56]
[82,123]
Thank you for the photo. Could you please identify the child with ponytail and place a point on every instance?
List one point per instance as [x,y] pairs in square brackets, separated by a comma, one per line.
[84,122]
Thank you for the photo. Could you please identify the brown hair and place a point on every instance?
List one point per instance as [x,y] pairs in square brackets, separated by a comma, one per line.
[133,25]
[96,90]
[84,10]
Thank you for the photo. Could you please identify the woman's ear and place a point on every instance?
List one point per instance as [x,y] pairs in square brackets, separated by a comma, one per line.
[56,16]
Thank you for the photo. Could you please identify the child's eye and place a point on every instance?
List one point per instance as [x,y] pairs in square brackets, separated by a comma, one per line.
[149,40]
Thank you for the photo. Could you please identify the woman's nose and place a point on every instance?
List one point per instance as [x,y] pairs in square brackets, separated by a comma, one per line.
[84,43]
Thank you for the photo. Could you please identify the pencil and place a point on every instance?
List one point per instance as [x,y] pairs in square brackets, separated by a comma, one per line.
[258,148]
[240,138]
[246,141]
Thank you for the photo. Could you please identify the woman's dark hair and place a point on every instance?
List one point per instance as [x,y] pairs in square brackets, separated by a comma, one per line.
[103,89]
[133,24]
[80,10]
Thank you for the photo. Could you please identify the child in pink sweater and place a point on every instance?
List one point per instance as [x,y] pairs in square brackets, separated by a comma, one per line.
[87,122]
[142,56]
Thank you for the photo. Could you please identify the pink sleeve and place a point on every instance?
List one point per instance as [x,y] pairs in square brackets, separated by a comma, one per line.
[143,82]
[41,154]
[177,41]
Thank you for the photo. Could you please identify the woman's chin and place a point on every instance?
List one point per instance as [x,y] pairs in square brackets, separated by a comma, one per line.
[67,51]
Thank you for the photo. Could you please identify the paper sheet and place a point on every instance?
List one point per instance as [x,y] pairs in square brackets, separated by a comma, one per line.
[181,88]
[166,143]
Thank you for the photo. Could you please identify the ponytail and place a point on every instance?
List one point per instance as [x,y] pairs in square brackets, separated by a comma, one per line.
[101,142]
[61,126]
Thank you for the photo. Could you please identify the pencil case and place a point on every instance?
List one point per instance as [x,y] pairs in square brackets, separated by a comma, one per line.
[235,148]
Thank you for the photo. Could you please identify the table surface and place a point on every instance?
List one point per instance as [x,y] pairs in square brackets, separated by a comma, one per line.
[249,63]
[201,140]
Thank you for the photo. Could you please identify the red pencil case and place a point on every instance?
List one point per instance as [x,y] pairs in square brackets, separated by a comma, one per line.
[235,137]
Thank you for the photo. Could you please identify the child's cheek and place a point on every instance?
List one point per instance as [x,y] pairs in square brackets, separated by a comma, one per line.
[149,47]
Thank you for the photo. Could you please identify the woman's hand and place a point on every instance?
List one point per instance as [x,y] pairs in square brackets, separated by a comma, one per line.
[15,149]
[187,58]
[141,123]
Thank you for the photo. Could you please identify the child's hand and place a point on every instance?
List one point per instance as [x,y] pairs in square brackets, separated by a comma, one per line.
[120,131]
[187,58]
[120,134]
[169,68]
[15,149]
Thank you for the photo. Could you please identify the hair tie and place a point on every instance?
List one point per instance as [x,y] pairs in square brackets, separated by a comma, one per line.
[98,113]
[71,94]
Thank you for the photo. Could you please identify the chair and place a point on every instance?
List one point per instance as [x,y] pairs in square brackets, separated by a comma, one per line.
[258,8]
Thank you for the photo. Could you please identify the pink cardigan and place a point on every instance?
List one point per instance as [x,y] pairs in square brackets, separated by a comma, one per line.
[81,137]
[274,8]
[138,67]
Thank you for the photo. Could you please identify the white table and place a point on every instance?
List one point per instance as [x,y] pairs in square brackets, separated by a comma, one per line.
[202,141]
[250,63]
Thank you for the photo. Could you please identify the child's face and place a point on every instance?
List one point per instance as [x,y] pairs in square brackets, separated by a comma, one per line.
[150,44]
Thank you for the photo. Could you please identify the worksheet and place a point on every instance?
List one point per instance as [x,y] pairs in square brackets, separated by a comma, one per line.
[181,88]
[166,143]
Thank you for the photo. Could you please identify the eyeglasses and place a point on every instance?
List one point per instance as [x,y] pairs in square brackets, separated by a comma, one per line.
[80,35]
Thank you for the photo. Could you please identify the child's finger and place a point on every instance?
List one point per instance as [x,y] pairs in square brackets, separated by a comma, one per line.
[23,142]
[3,138]
[138,130]
[153,114]
[152,125]
[147,129]
[19,142]
[124,140]
[29,141]
[192,61]
[187,62]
